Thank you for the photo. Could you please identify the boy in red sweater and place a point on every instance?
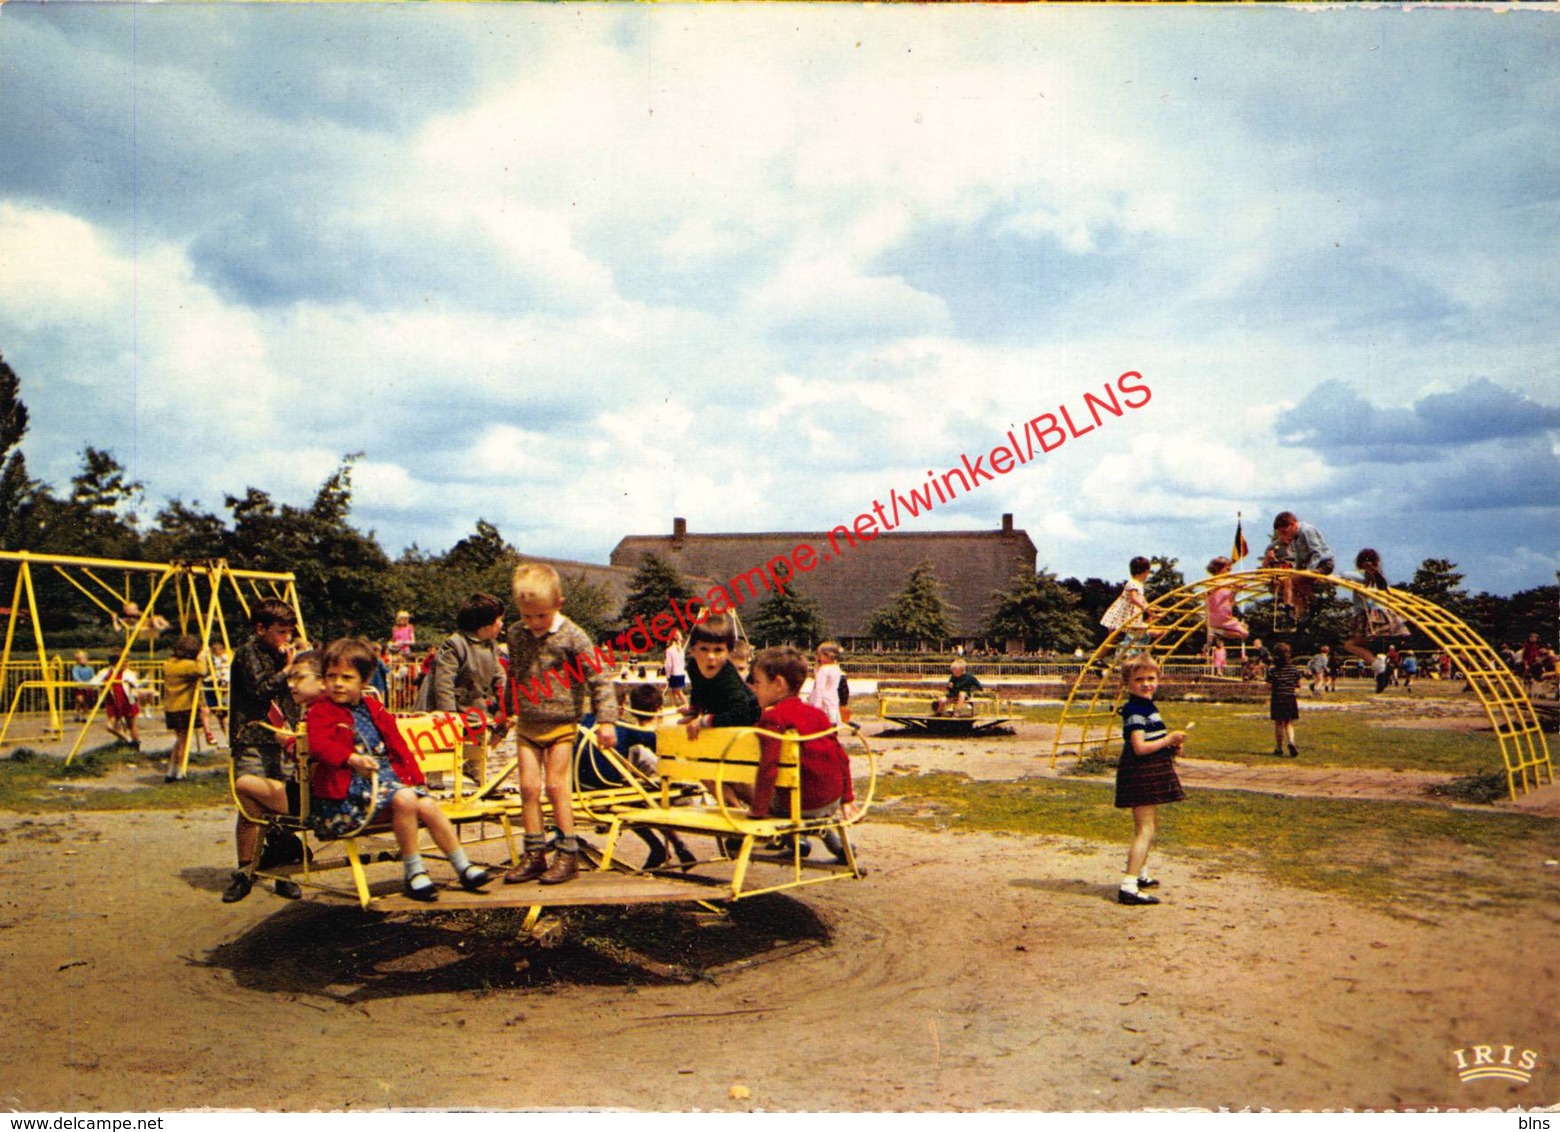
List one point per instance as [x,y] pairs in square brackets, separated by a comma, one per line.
[778,675]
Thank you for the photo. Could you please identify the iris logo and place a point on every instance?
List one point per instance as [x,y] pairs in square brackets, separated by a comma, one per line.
[1478,1063]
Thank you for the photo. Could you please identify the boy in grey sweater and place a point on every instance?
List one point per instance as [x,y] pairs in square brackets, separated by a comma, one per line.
[555,671]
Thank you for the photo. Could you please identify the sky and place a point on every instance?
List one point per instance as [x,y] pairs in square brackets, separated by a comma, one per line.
[576,270]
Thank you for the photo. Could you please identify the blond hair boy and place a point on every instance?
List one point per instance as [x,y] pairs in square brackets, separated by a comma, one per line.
[557,676]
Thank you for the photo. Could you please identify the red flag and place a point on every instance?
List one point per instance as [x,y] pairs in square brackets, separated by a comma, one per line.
[1240,549]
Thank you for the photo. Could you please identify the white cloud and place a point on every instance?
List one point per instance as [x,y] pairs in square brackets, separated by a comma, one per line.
[503,450]
[695,261]
[181,358]
[830,296]
[34,245]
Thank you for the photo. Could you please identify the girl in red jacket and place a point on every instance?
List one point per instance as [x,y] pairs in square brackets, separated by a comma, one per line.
[352,737]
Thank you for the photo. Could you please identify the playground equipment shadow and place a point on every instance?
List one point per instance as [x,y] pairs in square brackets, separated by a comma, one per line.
[341,954]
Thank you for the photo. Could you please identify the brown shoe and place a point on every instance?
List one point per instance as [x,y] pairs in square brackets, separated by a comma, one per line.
[565,867]
[532,866]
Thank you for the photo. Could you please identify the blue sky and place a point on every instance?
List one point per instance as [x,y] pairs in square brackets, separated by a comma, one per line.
[577,270]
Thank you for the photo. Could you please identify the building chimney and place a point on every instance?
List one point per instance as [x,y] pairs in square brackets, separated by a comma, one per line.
[1007,523]
[679,528]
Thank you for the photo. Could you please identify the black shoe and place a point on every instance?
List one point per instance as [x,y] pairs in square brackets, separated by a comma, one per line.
[1148,882]
[474,877]
[238,887]
[1278,752]
[424,892]
[288,890]
[167,778]
[1125,897]
[1294,751]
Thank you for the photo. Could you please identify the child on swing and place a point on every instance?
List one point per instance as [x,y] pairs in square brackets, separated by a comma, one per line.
[1145,776]
[123,703]
[353,737]
[547,713]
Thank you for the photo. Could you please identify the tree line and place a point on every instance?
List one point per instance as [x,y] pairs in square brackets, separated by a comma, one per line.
[348,584]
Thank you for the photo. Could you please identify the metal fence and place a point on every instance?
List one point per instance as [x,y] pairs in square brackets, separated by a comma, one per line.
[30,689]
[1052,670]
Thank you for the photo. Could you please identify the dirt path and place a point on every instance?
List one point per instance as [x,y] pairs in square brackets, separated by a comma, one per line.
[1026,753]
[967,972]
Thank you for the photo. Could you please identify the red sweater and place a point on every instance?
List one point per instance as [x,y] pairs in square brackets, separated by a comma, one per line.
[331,741]
[825,766]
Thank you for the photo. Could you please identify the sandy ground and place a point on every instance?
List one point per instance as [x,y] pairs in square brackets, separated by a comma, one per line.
[965,972]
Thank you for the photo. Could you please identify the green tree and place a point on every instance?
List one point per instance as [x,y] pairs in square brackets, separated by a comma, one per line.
[17,488]
[919,612]
[102,486]
[786,617]
[589,605]
[1528,611]
[186,533]
[345,583]
[653,585]
[1164,577]
[433,586]
[1094,598]
[97,519]
[1439,581]
[481,550]
[1040,611]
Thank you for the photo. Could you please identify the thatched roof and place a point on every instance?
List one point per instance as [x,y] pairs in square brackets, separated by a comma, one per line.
[854,584]
[617,580]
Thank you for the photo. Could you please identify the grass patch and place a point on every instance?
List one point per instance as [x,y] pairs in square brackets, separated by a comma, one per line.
[31,782]
[1384,852]
[1095,762]
[1242,733]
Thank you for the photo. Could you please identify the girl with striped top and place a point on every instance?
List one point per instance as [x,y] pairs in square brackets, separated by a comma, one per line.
[1284,700]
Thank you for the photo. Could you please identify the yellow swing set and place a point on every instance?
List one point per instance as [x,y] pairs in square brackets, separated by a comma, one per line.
[199,594]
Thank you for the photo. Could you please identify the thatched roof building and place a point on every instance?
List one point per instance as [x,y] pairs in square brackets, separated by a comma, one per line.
[616,580]
[850,583]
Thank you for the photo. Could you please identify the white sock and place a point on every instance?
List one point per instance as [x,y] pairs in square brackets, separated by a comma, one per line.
[416,872]
[1129,883]
[1143,877]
